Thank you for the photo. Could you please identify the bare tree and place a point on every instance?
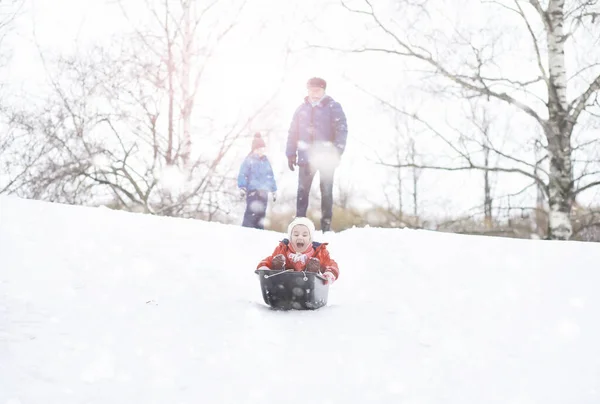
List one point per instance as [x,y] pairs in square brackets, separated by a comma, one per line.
[12,148]
[477,75]
[9,11]
[402,152]
[346,192]
[181,59]
[394,193]
[480,118]
[111,131]
[20,153]
[487,189]
[416,174]
[466,151]
[120,121]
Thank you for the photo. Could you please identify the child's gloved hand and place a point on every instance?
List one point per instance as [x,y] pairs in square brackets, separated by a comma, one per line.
[330,277]
[313,265]
[278,262]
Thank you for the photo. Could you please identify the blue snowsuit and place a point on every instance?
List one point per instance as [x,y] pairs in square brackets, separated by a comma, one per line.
[257,178]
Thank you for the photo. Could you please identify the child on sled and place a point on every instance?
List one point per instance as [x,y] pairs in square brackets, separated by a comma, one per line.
[301,253]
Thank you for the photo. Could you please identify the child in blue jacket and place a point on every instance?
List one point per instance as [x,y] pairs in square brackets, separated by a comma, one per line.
[255,181]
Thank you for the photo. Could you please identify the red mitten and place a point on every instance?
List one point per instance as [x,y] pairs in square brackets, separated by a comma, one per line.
[330,277]
[278,262]
[314,265]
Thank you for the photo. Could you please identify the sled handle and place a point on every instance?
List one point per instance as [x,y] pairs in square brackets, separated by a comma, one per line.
[278,273]
[318,275]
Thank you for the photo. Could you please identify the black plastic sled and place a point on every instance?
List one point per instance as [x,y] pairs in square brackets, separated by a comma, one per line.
[286,290]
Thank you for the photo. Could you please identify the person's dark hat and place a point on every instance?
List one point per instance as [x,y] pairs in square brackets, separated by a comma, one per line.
[257,142]
[316,82]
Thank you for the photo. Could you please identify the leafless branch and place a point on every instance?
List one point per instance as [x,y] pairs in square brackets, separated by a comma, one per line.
[534,41]
[586,187]
[471,167]
[579,103]
[426,56]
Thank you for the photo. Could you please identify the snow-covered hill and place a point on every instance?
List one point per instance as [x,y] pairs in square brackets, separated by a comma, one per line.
[100,306]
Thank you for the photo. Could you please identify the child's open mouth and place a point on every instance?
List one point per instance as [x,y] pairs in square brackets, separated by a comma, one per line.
[300,244]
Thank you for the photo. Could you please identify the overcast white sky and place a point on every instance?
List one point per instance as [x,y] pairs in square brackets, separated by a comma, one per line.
[250,64]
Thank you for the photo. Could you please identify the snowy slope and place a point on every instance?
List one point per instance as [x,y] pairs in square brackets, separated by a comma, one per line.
[99,306]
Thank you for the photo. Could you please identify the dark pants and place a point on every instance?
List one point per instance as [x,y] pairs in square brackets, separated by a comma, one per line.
[256,209]
[306,173]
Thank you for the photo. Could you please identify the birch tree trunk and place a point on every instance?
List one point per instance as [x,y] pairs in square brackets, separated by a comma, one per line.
[559,128]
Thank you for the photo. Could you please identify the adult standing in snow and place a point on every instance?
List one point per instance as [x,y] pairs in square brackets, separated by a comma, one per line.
[316,142]
[256,180]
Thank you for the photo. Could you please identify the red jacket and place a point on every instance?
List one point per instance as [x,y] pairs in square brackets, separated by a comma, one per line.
[318,250]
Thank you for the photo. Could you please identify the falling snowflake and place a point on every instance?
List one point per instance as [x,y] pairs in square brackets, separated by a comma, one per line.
[577,302]
[569,329]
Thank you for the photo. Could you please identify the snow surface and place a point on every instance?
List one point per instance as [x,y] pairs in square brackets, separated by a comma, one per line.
[101,306]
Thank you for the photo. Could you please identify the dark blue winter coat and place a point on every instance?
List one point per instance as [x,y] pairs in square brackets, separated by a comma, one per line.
[311,126]
[256,174]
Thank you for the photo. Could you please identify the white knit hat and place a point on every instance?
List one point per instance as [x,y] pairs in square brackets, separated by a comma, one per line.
[302,221]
